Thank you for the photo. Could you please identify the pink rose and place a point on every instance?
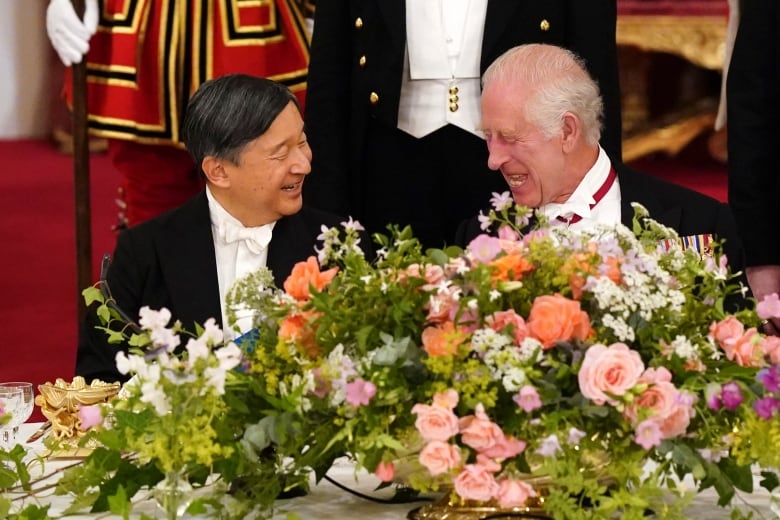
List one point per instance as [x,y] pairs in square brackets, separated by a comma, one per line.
[478,431]
[439,457]
[504,448]
[385,471]
[609,371]
[502,319]
[475,482]
[435,423]
[514,493]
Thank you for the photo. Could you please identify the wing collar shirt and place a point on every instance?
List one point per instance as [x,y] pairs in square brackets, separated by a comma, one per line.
[440,82]
[239,251]
[605,212]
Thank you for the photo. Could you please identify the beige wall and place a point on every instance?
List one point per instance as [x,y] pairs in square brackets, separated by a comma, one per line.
[24,65]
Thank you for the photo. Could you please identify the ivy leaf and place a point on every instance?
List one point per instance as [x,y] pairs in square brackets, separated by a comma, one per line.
[119,504]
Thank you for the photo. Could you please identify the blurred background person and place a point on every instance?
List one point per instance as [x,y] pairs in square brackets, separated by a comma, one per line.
[753,108]
[145,59]
[392,109]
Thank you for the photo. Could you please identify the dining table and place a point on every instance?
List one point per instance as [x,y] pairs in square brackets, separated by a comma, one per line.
[345,494]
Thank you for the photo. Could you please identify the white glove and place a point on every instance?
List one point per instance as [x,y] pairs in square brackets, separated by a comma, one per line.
[68,34]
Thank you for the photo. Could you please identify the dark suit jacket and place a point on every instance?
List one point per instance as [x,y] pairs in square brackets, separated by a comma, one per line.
[337,100]
[686,211]
[753,94]
[169,262]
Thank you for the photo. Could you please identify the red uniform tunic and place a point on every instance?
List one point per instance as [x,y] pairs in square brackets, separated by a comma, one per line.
[149,56]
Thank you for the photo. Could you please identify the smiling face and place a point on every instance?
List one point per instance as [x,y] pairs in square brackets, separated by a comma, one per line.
[533,165]
[267,182]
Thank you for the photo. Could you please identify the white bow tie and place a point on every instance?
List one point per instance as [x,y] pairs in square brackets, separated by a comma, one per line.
[255,238]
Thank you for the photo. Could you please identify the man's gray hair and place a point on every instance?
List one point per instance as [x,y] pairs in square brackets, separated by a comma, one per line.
[560,84]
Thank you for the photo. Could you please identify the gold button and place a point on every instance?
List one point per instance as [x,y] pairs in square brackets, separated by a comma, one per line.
[453,107]
[374,98]
[362,61]
[358,23]
[454,99]
[453,90]
[545,25]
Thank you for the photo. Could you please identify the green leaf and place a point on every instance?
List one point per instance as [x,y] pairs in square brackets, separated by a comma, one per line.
[91,295]
[119,504]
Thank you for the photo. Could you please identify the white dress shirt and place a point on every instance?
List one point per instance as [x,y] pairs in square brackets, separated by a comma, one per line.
[441,76]
[605,213]
[235,258]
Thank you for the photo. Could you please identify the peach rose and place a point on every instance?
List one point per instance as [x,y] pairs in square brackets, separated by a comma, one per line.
[745,350]
[502,319]
[729,328]
[475,482]
[435,423]
[770,346]
[439,457]
[609,371]
[443,339]
[514,493]
[305,274]
[478,431]
[556,318]
[447,399]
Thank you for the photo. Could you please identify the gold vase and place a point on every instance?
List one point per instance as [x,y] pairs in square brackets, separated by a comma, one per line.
[450,508]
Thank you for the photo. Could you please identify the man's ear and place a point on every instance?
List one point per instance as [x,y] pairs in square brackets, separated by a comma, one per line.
[215,171]
[570,132]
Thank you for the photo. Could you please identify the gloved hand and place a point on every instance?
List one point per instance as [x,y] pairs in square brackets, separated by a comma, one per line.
[68,34]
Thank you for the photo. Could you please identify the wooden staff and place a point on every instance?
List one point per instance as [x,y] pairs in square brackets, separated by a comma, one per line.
[81,177]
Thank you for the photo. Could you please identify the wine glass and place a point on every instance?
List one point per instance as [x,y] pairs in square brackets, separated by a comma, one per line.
[11,403]
[22,413]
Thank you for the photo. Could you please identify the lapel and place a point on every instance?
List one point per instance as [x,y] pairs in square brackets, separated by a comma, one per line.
[497,17]
[188,264]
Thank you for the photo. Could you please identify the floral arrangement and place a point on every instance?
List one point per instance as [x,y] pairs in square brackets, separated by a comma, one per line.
[592,370]
[600,364]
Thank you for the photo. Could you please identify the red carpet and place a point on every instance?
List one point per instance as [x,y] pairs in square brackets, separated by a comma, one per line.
[38,285]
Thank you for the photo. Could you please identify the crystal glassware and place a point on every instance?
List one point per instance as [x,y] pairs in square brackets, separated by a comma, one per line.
[11,404]
[23,412]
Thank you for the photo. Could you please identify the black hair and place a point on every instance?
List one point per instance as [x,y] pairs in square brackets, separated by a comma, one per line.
[228,112]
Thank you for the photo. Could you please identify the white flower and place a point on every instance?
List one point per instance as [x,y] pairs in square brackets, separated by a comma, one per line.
[151,319]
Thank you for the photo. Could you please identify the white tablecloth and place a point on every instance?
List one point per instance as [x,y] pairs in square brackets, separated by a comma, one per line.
[326,501]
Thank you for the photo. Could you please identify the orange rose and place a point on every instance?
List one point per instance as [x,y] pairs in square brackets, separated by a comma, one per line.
[306,274]
[555,318]
[510,267]
[295,327]
[442,340]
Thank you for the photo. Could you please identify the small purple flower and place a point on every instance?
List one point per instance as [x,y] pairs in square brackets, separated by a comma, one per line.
[575,436]
[360,392]
[769,307]
[527,399]
[549,446]
[90,416]
[648,434]
[712,395]
[484,248]
[766,407]
[770,378]
[731,395]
